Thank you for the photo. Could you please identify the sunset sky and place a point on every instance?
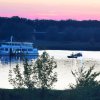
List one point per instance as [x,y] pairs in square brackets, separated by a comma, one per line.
[51,9]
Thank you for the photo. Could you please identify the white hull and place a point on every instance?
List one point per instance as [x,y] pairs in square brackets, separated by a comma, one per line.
[18,48]
[20,54]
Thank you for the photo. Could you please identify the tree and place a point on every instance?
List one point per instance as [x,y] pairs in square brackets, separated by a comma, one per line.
[85,78]
[45,75]
[52,33]
[32,75]
[43,68]
[22,77]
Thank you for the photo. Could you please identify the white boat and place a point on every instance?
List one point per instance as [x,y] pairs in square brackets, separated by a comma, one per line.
[18,48]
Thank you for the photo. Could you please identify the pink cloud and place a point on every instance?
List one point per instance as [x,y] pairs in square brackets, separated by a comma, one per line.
[51,9]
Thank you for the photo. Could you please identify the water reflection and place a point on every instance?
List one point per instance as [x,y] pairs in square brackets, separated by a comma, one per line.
[5,60]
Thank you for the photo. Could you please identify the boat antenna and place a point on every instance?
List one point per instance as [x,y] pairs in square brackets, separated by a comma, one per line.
[11,38]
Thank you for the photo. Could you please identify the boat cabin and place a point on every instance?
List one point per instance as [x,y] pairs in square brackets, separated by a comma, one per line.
[18,48]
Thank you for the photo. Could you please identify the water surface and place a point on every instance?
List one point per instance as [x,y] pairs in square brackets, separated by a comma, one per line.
[65,65]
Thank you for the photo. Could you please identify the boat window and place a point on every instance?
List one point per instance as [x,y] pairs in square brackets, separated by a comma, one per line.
[29,49]
[2,49]
[6,49]
[24,49]
[17,44]
[18,49]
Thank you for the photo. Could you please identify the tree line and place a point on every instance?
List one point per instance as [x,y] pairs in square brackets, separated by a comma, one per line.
[50,30]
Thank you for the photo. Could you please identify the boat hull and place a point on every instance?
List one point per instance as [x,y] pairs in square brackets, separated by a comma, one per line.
[18,49]
[21,54]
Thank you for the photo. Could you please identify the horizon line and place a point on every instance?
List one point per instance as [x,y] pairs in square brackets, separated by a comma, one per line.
[50,18]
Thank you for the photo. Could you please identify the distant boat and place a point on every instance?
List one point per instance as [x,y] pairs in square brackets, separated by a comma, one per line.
[18,48]
[75,55]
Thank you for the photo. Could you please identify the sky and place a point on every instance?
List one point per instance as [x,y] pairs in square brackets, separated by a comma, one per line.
[51,9]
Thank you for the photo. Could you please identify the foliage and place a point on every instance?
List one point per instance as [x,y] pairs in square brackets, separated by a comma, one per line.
[64,30]
[85,78]
[38,74]
[21,79]
[43,68]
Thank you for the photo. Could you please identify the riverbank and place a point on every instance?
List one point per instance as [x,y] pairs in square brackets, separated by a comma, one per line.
[35,94]
[59,45]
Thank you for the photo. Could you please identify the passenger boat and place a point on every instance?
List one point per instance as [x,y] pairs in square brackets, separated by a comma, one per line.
[18,48]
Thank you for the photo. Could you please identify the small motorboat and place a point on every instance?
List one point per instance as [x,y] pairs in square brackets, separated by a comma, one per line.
[75,55]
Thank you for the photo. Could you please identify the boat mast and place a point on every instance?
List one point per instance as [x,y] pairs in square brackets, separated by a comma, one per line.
[11,39]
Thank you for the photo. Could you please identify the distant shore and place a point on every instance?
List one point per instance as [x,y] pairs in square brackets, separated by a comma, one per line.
[55,45]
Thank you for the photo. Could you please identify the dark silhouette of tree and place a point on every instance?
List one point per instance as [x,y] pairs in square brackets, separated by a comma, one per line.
[85,78]
[22,79]
[52,33]
[39,74]
[43,68]
[62,31]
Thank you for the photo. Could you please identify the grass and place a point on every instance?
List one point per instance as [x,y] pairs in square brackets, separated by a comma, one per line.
[35,94]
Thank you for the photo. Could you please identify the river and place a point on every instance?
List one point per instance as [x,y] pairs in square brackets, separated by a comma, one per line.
[65,65]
